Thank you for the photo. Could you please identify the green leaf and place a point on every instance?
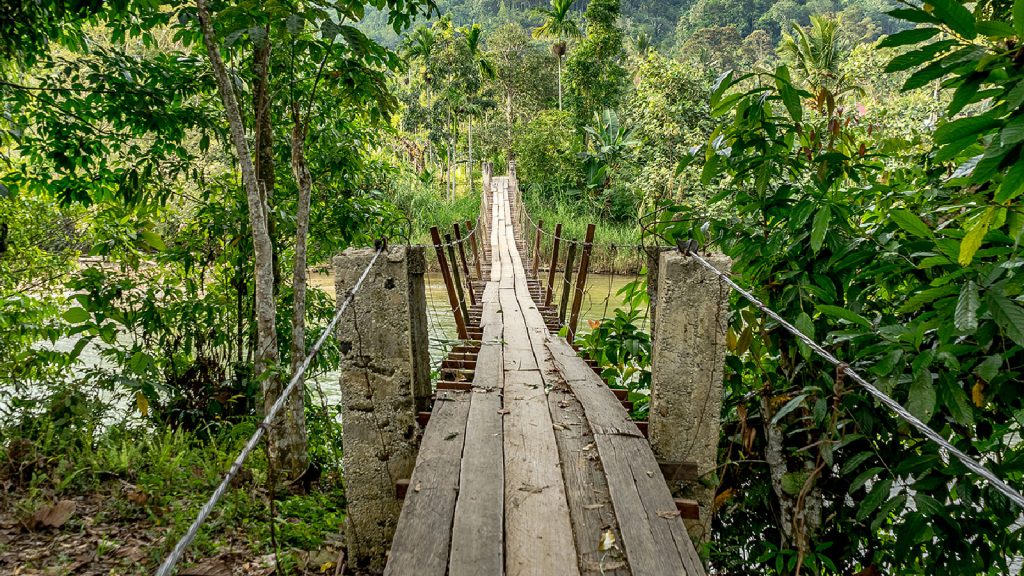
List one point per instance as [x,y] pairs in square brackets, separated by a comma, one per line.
[966,317]
[933,71]
[863,477]
[921,402]
[791,99]
[153,240]
[972,240]
[722,83]
[1008,315]
[989,368]
[1018,17]
[76,315]
[804,324]
[995,29]
[710,168]
[855,461]
[953,14]
[820,227]
[1013,183]
[912,36]
[911,223]
[1013,132]
[879,493]
[928,505]
[789,407]
[965,127]
[917,57]
[1016,96]
[843,314]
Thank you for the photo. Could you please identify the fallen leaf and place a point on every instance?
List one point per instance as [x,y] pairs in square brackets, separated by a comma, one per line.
[208,567]
[451,435]
[593,506]
[503,411]
[667,514]
[55,516]
[418,487]
[607,541]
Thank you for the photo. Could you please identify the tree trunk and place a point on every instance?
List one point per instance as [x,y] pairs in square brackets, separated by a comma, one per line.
[559,83]
[267,356]
[291,445]
[508,121]
[265,138]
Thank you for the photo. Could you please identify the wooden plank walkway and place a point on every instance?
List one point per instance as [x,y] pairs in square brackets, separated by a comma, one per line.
[537,469]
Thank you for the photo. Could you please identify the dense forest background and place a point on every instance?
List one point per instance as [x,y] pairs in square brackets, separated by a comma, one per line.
[172,173]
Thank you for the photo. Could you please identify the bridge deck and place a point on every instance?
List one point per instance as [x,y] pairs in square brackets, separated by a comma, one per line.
[537,469]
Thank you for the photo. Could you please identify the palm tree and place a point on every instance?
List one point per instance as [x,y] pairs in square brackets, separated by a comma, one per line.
[419,45]
[476,53]
[558,25]
[816,53]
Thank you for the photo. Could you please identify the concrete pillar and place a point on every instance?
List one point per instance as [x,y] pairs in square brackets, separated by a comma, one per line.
[385,374]
[687,371]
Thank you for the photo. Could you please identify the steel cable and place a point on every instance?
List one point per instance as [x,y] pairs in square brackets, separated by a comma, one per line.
[172,559]
[972,464]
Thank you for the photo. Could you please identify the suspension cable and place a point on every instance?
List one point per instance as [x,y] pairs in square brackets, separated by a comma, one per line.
[893,405]
[172,559]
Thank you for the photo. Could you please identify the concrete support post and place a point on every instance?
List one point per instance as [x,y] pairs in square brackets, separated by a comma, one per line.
[687,371]
[385,377]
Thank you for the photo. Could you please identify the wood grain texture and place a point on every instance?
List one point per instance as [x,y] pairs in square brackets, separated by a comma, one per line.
[586,488]
[478,534]
[423,535]
[538,529]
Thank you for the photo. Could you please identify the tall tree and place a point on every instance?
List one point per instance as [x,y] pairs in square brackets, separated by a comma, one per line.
[815,54]
[267,353]
[310,55]
[474,47]
[559,25]
[595,77]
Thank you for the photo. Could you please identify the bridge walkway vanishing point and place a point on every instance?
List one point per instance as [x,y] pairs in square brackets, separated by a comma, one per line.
[537,468]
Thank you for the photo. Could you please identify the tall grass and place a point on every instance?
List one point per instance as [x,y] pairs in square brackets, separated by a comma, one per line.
[426,205]
[614,244]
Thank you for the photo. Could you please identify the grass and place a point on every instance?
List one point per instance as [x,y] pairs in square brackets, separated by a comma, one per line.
[426,205]
[614,244]
[136,490]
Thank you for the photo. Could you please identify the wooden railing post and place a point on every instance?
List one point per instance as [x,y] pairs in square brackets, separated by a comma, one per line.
[460,320]
[465,266]
[536,247]
[554,265]
[570,259]
[456,276]
[688,363]
[475,237]
[581,284]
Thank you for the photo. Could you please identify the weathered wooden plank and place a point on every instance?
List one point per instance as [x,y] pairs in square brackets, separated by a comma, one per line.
[586,488]
[604,411]
[662,514]
[423,535]
[478,541]
[537,525]
[538,529]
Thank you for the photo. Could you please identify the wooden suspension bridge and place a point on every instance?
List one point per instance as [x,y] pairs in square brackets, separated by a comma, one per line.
[521,460]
